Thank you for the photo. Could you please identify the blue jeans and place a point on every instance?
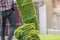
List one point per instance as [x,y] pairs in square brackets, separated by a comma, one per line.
[10,15]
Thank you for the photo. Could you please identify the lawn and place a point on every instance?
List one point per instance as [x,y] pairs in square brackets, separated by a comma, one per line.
[50,37]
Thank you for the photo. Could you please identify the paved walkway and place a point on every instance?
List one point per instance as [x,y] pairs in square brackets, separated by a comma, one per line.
[7,37]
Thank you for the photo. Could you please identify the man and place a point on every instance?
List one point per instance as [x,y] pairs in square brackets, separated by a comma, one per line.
[7,11]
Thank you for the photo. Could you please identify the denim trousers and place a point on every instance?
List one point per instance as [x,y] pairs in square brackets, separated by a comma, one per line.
[10,15]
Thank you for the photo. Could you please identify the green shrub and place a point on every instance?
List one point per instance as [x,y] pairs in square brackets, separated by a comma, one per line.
[27,31]
[27,12]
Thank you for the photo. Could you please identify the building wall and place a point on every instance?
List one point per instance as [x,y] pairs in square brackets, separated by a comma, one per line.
[49,10]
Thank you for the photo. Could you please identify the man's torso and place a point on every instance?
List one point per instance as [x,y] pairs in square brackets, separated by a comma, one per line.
[5,4]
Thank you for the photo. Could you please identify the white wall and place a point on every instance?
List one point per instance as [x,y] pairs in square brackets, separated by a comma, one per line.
[42,20]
